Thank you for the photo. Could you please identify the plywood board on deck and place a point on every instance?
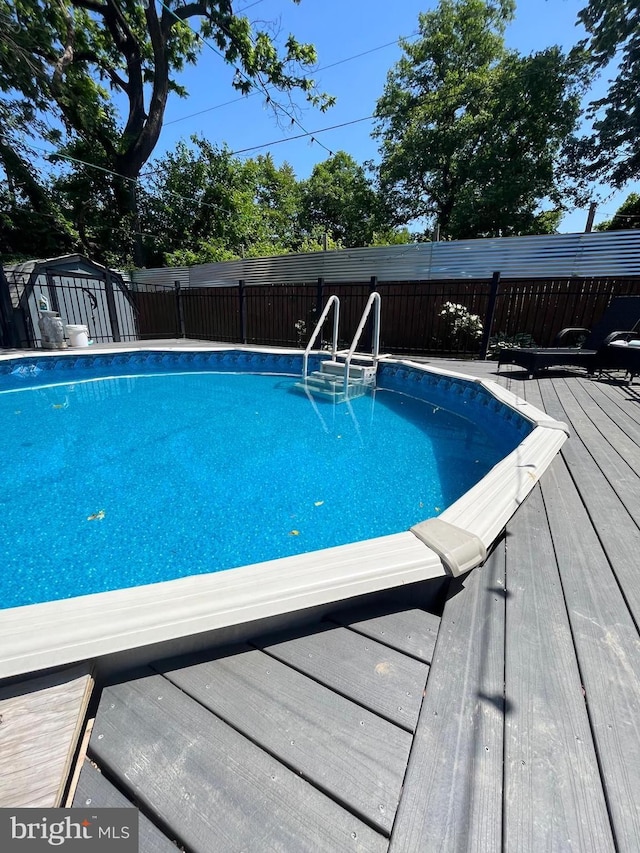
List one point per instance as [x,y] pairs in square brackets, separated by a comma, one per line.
[40,722]
[412,632]
[351,754]
[375,676]
[452,796]
[213,788]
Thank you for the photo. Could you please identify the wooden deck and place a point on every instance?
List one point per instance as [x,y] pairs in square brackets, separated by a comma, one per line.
[510,723]
[41,720]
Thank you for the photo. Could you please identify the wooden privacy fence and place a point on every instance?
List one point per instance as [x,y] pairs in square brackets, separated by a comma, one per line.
[509,311]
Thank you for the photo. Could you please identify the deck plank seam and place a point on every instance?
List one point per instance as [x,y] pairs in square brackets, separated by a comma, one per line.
[606,439]
[118,781]
[405,727]
[580,444]
[597,424]
[379,639]
[289,765]
[603,392]
[592,728]
[413,741]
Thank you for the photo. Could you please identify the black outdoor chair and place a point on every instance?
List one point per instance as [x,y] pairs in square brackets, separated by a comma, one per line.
[621,352]
[621,317]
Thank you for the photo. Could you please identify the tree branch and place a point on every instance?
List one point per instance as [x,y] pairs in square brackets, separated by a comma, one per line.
[90,56]
[99,8]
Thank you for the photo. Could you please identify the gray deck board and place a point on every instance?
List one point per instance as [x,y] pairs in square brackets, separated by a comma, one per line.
[452,799]
[554,798]
[94,788]
[616,455]
[213,787]
[412,632]
[616,530]
[371,674]
[608,649]
[614,400]
[353,755]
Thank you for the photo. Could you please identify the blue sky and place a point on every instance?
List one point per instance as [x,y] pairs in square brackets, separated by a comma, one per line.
[341,29]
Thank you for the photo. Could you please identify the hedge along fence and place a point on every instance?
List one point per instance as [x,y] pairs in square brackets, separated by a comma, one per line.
[417,316]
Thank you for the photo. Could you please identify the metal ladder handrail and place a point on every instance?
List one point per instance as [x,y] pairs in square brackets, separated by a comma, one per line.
[374,298]
[333,300]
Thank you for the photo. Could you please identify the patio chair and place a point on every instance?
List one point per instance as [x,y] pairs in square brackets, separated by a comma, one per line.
[622,315]
[621,352]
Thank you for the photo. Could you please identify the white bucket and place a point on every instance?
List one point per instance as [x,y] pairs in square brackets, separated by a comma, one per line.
[78,335]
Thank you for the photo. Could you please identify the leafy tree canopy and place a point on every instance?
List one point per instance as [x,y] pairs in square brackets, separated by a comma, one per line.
[340,200]
[202,204]
[472,134]
[62,63]
[626,216]
[614,33]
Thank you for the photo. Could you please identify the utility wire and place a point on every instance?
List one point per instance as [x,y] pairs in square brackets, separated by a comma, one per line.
[249,80]
[310,133]
[317,71]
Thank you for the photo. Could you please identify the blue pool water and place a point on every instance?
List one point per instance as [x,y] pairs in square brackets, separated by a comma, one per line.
[118,482]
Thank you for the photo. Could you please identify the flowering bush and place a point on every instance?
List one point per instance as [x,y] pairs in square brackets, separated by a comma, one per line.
[460,321]
[301,329]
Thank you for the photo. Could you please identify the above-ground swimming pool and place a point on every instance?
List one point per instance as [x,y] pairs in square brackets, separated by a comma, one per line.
[123,481]
[131,472]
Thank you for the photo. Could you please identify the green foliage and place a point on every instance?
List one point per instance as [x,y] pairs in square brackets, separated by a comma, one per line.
[626,216]
[340,200]
[64,65]
[205,205]
[472,135]
[614,29]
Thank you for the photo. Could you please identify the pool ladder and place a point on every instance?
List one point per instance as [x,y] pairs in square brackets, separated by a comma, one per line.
[339,378]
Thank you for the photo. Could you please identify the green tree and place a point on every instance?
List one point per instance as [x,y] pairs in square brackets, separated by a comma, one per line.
[63,60]
[613,151]
[626,216]
[339,200]
[472,134]
[203,205]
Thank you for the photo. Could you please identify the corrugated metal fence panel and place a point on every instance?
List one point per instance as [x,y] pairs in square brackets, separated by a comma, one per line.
[610,253]
[159,277]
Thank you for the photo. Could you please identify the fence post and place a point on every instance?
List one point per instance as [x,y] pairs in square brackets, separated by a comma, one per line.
[111,307]
[180,310]
[243,316]
[491,310]
[8,334]
[373,286]
[319,297]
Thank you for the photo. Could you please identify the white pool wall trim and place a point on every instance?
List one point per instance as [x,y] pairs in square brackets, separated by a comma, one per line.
[56,633]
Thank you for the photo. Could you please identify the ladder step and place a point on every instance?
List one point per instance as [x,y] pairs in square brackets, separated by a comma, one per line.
[335,393]
[355,370]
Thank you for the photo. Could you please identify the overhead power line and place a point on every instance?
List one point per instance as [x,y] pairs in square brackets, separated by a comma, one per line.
[251,81]
[311,133]
[317,71]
